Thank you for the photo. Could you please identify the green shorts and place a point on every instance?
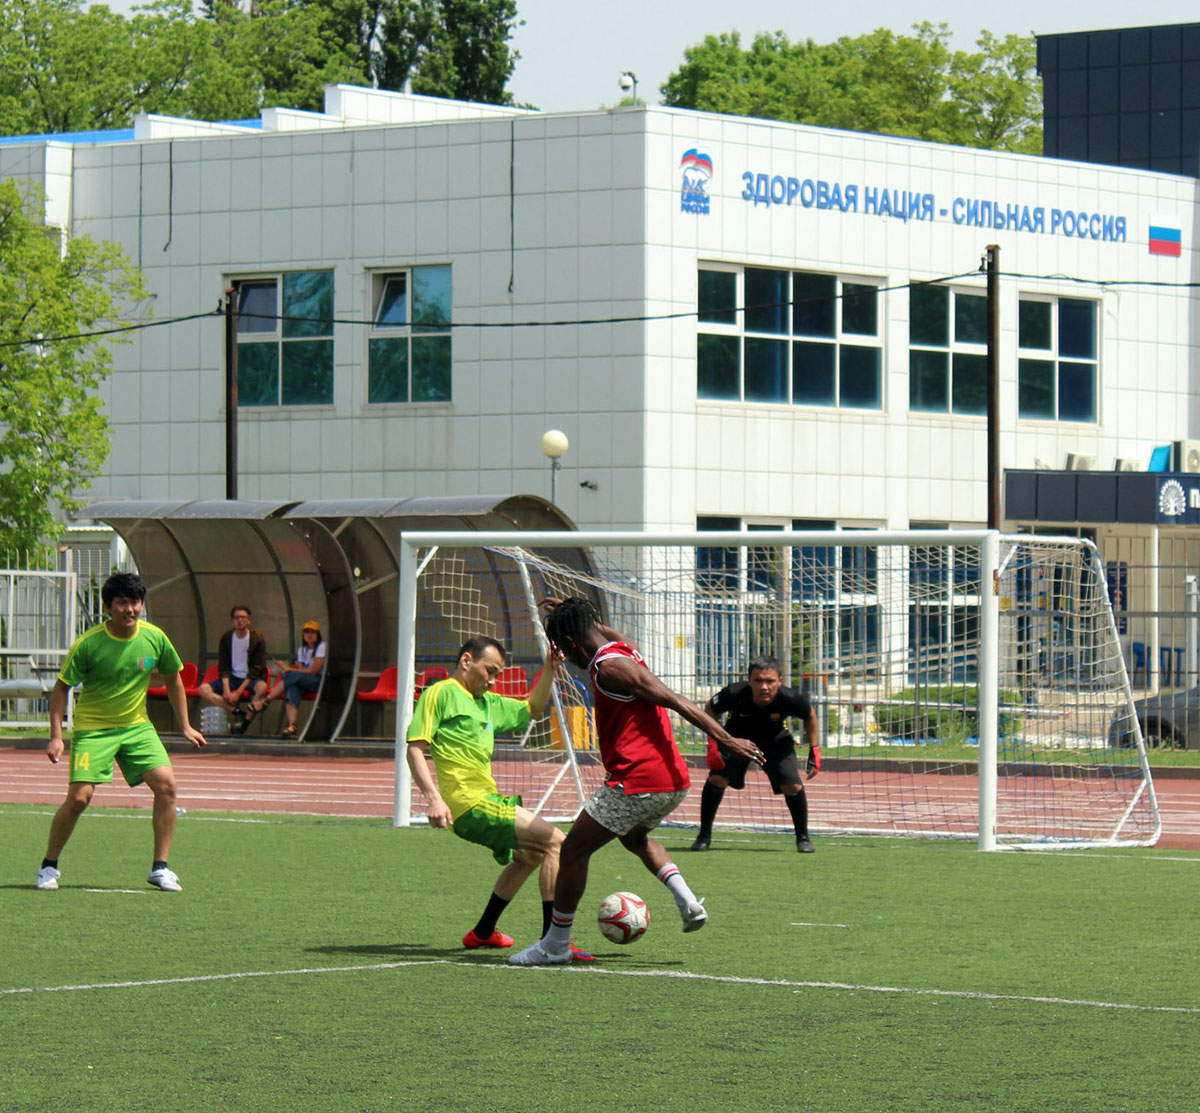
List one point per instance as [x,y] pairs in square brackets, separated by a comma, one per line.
[491,823]
[136,749]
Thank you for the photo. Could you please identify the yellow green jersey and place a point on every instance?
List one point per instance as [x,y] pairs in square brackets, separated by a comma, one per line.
[461,732]
[115,673]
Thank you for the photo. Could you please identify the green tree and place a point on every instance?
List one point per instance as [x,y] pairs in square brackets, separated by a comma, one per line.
[910,85]
[53,434]
[444,48]
[465,52]
[67,67]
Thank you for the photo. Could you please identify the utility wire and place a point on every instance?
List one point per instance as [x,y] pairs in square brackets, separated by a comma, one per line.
[1105,283]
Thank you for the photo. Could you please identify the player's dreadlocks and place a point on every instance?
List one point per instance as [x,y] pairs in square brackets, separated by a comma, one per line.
[570,620]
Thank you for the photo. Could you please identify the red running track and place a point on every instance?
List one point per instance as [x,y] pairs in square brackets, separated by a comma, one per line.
[362,786]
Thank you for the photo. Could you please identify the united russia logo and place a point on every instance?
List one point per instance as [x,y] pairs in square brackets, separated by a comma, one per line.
[697,171]
[1165,237]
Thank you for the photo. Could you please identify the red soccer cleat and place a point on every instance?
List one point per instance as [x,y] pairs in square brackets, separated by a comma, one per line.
[497,939]
[581,956]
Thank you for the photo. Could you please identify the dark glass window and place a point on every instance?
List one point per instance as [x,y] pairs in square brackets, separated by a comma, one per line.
[1058,368]
[793,344]
[410,352]
[285,340]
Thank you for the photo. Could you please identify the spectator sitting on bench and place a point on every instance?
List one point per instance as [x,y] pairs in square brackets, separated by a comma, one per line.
[241,671]
[295,681]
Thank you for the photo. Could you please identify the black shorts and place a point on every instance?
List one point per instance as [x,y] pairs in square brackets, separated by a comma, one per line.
[781,765]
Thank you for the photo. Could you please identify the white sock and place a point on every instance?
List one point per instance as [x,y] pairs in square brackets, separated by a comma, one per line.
[670,876]
[558,938]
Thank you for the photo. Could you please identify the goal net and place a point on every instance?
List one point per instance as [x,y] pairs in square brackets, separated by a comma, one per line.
[967,685]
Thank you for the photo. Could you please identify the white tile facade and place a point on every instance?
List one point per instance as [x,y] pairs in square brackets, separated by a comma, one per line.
[593,234]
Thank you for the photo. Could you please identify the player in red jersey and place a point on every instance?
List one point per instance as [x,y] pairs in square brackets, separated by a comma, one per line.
[646,777]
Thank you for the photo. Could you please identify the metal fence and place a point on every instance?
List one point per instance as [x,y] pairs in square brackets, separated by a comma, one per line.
[46,601]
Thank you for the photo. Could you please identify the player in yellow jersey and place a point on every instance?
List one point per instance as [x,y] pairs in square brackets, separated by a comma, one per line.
[113,662]
[455,724]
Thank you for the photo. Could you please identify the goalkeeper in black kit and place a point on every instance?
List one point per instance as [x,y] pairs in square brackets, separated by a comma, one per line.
[757,709]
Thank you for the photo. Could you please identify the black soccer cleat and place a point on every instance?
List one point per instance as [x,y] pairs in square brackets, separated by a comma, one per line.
[803,846]
[703,842]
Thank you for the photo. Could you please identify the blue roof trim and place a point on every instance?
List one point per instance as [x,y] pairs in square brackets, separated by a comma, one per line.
[114,135]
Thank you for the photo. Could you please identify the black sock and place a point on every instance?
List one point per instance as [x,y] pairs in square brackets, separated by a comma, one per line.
[51,862]
[547,908]
[798,805]
[158,866]
[710,801]
[491,915]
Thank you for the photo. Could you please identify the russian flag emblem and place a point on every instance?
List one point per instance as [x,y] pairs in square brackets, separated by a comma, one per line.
[1165,237]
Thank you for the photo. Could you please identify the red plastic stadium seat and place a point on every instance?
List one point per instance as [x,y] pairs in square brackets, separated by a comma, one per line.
[211,676]
[427,676]
[384,690]
[190,674]
[513,682]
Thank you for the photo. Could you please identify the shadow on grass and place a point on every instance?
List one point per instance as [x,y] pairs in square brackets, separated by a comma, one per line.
[486,956]
[396,950]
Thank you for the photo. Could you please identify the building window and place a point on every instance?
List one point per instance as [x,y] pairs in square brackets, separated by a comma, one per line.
[1057,360]
[831,622]
[947,350]
[285,339]
[409,351]
[779,336]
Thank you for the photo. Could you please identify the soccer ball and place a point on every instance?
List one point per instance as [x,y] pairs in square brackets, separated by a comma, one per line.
[623,917]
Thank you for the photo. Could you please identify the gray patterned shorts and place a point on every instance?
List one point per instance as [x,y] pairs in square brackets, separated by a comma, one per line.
[620,814]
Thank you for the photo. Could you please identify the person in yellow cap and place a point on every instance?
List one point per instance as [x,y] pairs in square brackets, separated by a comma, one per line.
[302,677]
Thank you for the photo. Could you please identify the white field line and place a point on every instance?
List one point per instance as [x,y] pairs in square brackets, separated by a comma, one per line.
[675,975]
[193,815]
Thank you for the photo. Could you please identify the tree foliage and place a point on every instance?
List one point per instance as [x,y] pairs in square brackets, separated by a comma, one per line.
[67,66]
[53,434]
[910,85]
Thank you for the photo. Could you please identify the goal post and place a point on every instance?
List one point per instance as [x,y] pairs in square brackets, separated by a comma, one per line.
[968,684]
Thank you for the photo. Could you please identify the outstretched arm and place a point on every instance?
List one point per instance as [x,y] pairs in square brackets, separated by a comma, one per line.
[177,698]
[622,675]
[812,733]
[438,812]
[539,695]
[58,712]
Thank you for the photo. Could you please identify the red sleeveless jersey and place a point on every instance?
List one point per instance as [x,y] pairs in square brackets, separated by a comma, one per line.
[637,745]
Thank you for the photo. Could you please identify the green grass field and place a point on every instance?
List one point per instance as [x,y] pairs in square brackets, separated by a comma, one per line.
[314,964]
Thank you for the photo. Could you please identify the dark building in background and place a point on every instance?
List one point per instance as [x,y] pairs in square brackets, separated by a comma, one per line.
[1128,97]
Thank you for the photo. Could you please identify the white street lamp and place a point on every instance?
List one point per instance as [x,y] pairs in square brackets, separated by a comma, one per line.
[628,81]
[554,446]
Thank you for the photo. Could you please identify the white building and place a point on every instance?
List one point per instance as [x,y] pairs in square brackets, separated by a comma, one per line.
[716,310]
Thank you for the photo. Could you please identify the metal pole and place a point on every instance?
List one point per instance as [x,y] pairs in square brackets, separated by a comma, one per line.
[406,651]
[554,466]
[1192,597]
[988,690]
[231,394]
[993,385]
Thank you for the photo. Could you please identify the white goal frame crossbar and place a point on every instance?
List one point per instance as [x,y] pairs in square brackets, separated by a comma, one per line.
[987,541]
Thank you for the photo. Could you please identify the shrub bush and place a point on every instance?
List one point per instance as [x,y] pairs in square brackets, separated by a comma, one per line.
[947,713]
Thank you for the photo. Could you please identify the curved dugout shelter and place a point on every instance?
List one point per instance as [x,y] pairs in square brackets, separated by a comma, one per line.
[334,561]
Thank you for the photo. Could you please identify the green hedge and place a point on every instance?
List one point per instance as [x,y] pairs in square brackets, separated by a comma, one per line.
[946,713]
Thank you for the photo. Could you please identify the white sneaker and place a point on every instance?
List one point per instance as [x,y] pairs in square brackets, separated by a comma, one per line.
[695,916]
[534,955]
[47,878]
[165,879]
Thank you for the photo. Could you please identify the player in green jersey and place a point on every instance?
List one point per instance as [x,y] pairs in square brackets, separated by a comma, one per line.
[113,662]
[455,724]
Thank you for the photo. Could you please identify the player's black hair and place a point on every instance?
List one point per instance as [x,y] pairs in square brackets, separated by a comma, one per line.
[477,644]
[122,585]
[764,661]
[239,607]
[570,620]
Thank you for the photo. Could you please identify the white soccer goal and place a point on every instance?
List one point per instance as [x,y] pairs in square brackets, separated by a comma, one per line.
[968,685]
